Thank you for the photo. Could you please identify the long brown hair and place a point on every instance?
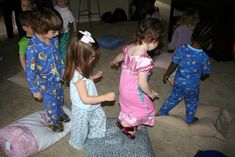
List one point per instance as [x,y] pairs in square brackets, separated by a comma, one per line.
[78,55]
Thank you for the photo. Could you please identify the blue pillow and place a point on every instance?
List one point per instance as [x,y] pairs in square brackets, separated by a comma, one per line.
[109,41]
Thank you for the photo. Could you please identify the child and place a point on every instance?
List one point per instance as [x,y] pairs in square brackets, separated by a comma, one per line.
[184,29]
[182,34]
[26,5]
[192,65]
[88,117]
[44,65]
[156,13]
[67,16]
[25,18]
[135,94]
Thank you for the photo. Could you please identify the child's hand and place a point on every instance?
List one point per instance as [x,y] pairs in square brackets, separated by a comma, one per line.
[113,63]
[97,75]
[37,96]
[154,95]
[109,96]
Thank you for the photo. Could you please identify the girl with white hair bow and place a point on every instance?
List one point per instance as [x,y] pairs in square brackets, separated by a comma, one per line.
[88,117]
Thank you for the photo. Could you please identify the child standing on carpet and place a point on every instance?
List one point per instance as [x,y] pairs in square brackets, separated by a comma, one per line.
[192,65]
[135,95]
[44,65]
[68,18]
[184,29]
[25,19]
[88,117]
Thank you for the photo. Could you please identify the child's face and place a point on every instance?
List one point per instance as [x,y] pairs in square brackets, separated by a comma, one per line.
[50,34]
[62,3]
[26,5]
[152,45]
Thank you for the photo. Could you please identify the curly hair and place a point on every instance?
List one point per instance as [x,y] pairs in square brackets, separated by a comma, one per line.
[148,30]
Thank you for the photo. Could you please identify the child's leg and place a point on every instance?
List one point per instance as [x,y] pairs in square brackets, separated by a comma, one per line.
[79,129]
[52,102]
[173,100]
[60,101]
[97,124]
[191,102]
[127,124]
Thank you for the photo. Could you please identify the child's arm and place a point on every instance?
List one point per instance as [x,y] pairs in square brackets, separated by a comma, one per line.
[169,71]
[82,91]
[22,61]
[74,27]
[145,86]
[117,59]
[31,74]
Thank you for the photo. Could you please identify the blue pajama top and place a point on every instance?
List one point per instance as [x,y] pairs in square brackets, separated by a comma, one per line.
[192,63]
[44,65]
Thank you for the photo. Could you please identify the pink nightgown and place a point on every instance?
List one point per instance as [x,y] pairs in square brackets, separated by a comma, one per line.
[136,107]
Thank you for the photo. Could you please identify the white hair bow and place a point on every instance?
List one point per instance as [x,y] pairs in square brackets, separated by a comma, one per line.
[86,38]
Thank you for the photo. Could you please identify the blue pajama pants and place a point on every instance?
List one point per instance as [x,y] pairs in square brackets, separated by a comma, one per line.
[86,124]
[191,98]
[53,99]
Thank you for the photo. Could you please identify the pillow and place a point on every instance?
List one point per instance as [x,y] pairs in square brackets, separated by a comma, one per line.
[163,60]
[109,41]
[116,144]
[29,135]
[213,121]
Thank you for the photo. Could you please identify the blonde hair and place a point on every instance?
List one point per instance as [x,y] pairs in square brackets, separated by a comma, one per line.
[190,17]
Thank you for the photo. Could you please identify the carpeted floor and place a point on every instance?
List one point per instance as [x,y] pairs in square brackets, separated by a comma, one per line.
[16,101]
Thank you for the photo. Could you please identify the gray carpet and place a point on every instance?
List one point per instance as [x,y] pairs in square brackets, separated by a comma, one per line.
[116,144]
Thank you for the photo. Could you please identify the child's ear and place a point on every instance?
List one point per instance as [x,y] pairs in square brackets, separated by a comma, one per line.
[25,28]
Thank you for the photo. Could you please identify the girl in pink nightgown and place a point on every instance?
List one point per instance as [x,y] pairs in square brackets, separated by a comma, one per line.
[135,95]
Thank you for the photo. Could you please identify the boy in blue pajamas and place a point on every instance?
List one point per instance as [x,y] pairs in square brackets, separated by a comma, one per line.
[44,65]
[193,65]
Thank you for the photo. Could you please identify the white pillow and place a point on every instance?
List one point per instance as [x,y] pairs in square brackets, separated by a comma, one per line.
[30,135]
[213,121]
